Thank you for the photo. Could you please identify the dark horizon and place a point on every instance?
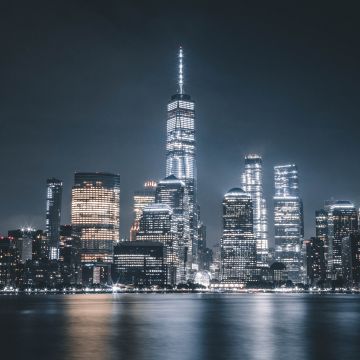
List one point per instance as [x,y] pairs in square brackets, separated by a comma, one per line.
[85,86]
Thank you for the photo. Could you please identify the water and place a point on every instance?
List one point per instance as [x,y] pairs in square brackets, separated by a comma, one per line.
[180,327]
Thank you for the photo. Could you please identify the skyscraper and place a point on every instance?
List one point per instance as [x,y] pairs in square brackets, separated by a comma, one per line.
[95,215]
[53,215]
[252,183]
[172,192]
[288,220]
[342,221]
[156,225]
[180,151]
[238,244]
[142,198]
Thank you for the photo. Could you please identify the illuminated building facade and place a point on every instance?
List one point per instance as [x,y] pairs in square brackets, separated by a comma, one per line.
[351,259]
[142,198]
[252,183]
[53,215]
[141,263]
[180,152]
[288,220]
[238,244]
[342,221]
[172,192]
[315,260]
[156,225]
[95,215]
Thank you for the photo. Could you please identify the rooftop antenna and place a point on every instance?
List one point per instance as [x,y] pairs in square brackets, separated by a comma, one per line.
[181,74]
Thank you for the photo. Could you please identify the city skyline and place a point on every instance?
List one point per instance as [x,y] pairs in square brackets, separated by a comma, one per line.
[107,124]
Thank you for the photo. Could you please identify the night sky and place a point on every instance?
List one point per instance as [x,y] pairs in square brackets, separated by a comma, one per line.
[84,87]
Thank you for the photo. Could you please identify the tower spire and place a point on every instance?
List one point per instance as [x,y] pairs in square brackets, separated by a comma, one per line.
[181,74]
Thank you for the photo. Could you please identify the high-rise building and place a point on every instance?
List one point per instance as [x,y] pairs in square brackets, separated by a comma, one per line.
[238,244]
[141,263]
[95,215]
[288,220]
[53,215]
[342,221]
[351,259]
[315,260]
[142,198]
[252,183]
[172,192]
[181,153]
[156,225]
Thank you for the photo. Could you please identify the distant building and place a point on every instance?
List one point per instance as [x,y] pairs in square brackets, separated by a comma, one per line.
[252,183]
[156,225]
[95,215]
[142,198]
[10,263]
[342,221]
[172,192]
[141,263]
[23,240]
[279,274]
[181,152]
[238,245]
[288,220]
[315,260]
[54,189]
[351,259]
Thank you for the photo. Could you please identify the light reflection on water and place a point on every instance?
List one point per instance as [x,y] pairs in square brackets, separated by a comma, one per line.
[180,327]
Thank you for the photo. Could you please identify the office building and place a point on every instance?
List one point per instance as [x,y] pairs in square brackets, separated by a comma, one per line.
[238,244]
[141,263]
[315,260]
[156,225]
[342,221]
[351,259]
[288,220]
[181,152]
[54,189]
[252,183]
[95,215]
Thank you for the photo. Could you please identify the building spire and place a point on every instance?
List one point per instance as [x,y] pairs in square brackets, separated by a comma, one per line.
[181,74]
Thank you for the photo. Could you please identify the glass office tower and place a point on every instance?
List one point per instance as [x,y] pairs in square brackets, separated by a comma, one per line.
[142,198]
[288,220]
[156,224]
[342,221]
[54,189]
[95,215]
[238,244]
[252,183]
[180,151]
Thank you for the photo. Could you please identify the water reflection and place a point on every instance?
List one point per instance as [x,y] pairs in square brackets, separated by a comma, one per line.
[180,327]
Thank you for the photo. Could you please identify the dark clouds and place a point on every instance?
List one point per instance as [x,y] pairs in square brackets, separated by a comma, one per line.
[84,85]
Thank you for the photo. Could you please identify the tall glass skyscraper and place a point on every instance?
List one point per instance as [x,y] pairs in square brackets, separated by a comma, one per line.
[142,198]
[342,221]
[238,244]
[171,191]
[288,220]
[156,225]
[180,151]
[54,189]
[252,183]
[95,215]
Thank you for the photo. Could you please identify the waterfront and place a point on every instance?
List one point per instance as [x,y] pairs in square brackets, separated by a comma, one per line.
[180,327]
